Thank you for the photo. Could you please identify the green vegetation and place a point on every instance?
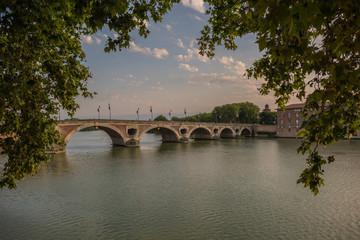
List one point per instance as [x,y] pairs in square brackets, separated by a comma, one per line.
[43,67]
[309,46]
[311,50]
[244,112]
[267,118]
[161,118]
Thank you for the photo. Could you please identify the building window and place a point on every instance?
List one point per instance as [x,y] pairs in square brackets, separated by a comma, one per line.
[282,123]
[297,123]
[289,114]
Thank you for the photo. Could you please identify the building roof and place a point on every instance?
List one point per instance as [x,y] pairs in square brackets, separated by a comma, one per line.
[296,105]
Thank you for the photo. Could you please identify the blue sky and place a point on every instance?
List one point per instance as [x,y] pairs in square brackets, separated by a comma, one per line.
[166,72]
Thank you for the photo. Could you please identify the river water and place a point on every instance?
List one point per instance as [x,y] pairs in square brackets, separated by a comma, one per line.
[226,189]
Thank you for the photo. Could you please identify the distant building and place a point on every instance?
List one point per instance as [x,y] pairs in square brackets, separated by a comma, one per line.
[289,122]
[267,109]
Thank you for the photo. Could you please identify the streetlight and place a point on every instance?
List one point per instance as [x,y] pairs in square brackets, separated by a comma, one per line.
[98,112]
[110,110]
[137,112]
[220,118]
[185,113]
[170,114]
[151,113]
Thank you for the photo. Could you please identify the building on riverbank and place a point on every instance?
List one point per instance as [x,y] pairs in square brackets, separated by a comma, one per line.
[289,122]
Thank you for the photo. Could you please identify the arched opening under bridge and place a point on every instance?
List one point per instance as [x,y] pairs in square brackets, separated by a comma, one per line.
[245,132]
[201,133]
[115,135]
[157,134]
[226,133]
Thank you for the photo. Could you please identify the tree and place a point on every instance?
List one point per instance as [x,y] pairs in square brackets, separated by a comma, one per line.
[311,51]
[268,118]
[244,112]
[161,118]
[248,112]
[42,67]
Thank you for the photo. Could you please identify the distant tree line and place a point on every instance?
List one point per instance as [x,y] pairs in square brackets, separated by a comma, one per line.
[244,112]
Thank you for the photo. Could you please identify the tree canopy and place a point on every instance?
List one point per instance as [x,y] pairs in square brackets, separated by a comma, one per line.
[42,67]
[161,118]
[310,52]
[267,118]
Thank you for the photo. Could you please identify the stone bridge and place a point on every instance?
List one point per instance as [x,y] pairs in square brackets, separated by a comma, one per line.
[129,133]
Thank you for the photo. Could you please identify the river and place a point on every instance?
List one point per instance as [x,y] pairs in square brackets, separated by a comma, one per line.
[225,189]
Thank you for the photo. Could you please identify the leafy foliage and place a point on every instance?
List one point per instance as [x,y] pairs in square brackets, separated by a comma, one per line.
[310,47]
[42,67]
[161,118]
[268,118]
[244,112]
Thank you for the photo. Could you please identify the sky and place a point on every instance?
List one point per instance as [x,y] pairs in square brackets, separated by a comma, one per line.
[166,72]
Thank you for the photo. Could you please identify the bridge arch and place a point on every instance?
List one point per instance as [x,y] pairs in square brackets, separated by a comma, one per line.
[114,133]
[246,132]
[202,132]
[227,133]
[167,133]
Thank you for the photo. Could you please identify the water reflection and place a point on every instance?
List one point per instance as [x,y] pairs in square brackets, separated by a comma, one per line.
[227,189]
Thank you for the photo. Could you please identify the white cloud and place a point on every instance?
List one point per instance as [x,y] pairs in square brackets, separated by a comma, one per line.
[157,88]
[168,27]
[87,39]
[188,67]
[90,39]
[204,58]
[130,76]
[119,79]
[135,83]
[239,68]
[180,43]
[158,53]
[192,43]
[197,18]
[226,60]
[197,5]
[136,48]
[97,40]
[179,57]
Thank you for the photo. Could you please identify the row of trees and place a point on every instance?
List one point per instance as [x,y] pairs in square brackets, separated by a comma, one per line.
[306,46]
[244,112]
